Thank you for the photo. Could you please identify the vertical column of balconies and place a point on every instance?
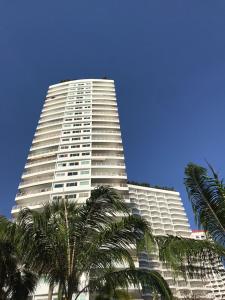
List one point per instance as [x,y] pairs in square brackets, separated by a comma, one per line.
[108,167]
[36,184]
[164,211]
[73,168]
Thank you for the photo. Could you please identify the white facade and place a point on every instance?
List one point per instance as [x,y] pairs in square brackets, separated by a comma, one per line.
[77,145]
[165,212]
[216,280]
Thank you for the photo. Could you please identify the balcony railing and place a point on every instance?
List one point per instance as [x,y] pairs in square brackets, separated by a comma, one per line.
[38,170]
[111,184]
[107,154]
[108,174]
[43,153]
[36,180]
[44,190]
[103,137]
[108,164]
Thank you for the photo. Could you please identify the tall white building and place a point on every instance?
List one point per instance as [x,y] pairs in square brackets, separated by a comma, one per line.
[77,145]
[165,212]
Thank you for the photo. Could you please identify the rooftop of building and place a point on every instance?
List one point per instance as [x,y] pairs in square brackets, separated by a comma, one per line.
[64,81]
[147,186]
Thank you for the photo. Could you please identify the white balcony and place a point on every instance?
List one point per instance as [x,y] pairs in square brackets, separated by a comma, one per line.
[36,181]
[46,132]
[47,137]
[43,154]
[55,124]
[39,162]
[33,194]
[37,171]
[51,106]
[43,145]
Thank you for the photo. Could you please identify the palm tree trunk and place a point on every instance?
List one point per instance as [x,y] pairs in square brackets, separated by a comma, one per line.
[60,292]
[50,291]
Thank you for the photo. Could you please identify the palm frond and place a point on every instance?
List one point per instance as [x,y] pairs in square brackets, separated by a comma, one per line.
[207,196]
[189,256]
[138,278]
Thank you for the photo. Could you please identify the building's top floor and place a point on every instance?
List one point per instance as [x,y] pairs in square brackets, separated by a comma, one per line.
[198,234]
[68,81]
[154,190]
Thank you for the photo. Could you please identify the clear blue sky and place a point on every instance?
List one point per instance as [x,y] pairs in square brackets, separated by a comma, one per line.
[168,61]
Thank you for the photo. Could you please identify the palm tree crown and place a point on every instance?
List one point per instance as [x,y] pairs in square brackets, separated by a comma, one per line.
[207,196]
[87,247]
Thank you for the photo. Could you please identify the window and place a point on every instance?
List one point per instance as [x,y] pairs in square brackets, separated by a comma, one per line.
[62,165]
[75,146]
[57,197]
[74,154]
[84,194]
[84,172]
[85,162]
[76,125]
[58,185]
[86,182]
[86,137]
[78,113]
[76,131]
[71,184]
[60,174]
[86,130]
[76,139]
[87,118]
[63,155]
[85,153]
[77,119]
[74,163]
[72,173]
[86,124]
[64,147]
[86,145]
[66,132]
[65,140]
[68,120]
[71,196]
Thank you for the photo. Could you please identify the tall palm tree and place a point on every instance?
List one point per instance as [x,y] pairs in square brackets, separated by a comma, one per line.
[207,196]
[16,281]
[83,248]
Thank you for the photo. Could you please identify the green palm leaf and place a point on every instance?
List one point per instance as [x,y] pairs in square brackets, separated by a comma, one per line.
[207,195]
[65,241]
[187,256]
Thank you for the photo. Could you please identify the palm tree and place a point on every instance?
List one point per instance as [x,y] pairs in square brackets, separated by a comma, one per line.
[16,281]
[207,195]
[108,293]
[79,246]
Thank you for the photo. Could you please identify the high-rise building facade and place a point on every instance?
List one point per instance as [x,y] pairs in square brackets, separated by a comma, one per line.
[216,279]
[165,212]
[77,145]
